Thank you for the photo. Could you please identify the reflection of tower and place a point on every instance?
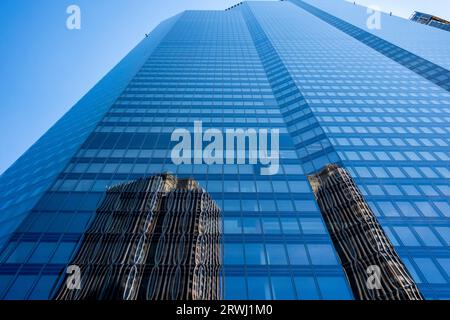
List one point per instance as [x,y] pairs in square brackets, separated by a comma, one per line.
[361,243]
[156,238]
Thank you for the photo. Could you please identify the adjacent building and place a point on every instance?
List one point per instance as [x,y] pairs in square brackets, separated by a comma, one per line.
[374,101]
[430,20]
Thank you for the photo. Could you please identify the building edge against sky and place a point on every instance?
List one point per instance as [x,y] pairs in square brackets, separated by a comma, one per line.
[34,172]
[375,120]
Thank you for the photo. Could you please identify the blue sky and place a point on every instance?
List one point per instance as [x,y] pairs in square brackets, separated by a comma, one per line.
[45,68]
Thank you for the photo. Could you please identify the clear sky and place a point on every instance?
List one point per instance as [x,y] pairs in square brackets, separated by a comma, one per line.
[46,68]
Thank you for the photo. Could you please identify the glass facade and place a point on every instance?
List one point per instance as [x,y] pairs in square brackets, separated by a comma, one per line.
[260,65]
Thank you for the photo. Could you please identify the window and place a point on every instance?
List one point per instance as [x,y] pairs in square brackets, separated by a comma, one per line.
[393,190]
[232,225]
[84,185]
[230,169]
[428,191]
[43,288]
[250,205]
[412,156]
[290,226]
[407,209]
[363,172]
[82,201]
[334,288]
[367,156]
[214,186]
[299,186]
[282,288]
[412,173]
[297,254]
[79,222]
[232,205]
[247,186]
[375,190]
[443,207]
[231,186]
[379,172]
[382,156]
[280,186]
[276,254]
[285,205]
[396,172]
[251,225]
[411,190]
[412,270]
[352,156]
[5,281]
[312,226]
[264,186]
[445,173]
[445,190]
[427,236]
[21,253]
[43,252]
[215,169]
[444,232]
[321,254]
[124,168]
[426,209]
[255,254]
[64,252]
[259,288]
[267,205]
[245,169]
[100,185]
[68,185]
[306,288]
[390,235]
[428,172]
[39,222]
[271,226]
[406,236]
[305,205]
[445,264]
[233,253]
[21,287]
[60,223]
[293,169]
[388,209]
[429,270]
[80,168]
[235,288]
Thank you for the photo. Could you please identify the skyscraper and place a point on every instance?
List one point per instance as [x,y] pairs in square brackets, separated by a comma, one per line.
[430,20]
[366,91]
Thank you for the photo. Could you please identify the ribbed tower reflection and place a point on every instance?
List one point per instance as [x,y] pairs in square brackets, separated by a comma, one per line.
[373,267]
[157,238]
